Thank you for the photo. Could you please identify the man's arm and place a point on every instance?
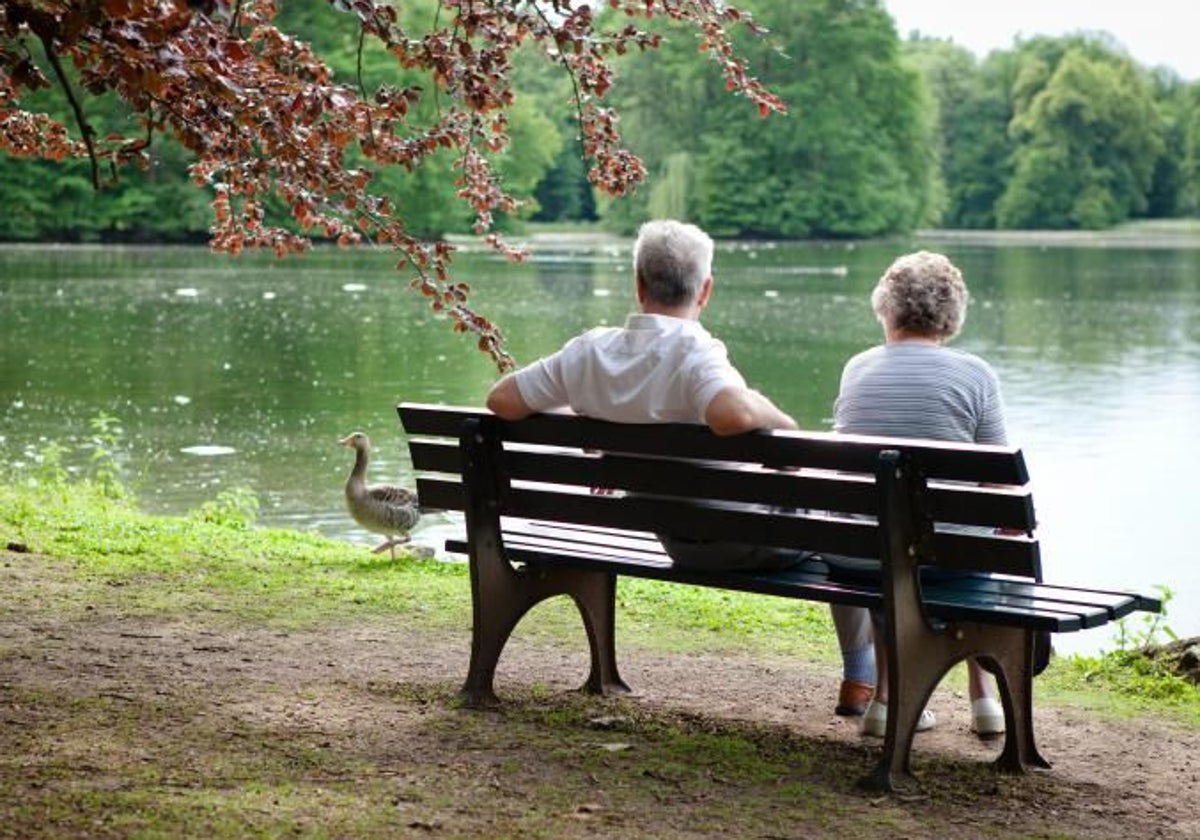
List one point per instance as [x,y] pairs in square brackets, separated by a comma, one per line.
[735,410]
[505,400]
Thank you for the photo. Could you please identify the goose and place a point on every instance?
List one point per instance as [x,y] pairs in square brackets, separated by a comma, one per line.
[384,509]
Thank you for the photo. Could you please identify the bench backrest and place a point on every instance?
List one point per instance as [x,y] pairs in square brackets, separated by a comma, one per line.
[793,489]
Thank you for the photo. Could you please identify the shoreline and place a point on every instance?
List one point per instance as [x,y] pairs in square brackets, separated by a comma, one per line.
[1170,233]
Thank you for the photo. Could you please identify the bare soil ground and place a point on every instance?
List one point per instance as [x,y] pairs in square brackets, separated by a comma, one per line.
[118,726]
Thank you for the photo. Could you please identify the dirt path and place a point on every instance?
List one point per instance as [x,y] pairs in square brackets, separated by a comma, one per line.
[353,731]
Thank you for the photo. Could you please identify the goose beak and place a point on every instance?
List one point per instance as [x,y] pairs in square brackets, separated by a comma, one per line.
[347,441]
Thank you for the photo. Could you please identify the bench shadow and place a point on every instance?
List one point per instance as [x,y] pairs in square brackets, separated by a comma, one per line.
[621,741]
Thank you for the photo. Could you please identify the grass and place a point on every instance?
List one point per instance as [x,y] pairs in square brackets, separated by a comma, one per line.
[215,559]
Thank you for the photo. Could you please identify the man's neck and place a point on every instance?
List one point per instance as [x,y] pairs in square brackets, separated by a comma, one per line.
[689,312]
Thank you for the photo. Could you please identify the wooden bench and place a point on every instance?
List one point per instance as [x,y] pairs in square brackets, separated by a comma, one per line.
[534,530]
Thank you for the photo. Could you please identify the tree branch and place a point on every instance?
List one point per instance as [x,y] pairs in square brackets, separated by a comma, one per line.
[235,20]
[583,154]
[85,127]
[362,34]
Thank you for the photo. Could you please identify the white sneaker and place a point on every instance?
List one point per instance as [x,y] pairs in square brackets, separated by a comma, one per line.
[987,717]
[875,720]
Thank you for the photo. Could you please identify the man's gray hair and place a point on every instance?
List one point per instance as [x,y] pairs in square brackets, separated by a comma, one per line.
[922,293]
[672,260]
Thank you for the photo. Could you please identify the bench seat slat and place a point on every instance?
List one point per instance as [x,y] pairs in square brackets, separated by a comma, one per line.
[1113,605]
[642,540]
[816,587]
[943,602]
[1019,598]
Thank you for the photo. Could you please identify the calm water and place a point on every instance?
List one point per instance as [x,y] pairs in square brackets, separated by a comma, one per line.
[271,362]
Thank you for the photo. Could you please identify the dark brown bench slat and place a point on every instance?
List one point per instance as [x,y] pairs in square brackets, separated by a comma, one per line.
[435,455]
[942,602]
[1113,605]
[997,508]
[848,453]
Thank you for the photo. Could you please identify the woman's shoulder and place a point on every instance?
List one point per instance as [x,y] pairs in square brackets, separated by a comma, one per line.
[967,361]
[865,356]
[968,358]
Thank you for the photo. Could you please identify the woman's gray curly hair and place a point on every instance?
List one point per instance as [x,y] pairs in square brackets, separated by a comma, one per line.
[922,293]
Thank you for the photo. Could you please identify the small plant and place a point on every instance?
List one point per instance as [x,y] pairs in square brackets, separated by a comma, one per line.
[1129,669]
[105,443]
[50,471]
[236,509]
[1132,640]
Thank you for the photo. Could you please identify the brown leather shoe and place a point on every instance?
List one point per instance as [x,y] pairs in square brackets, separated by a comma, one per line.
[853,698]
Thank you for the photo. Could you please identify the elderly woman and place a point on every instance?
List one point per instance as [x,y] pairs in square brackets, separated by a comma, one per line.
[914,386]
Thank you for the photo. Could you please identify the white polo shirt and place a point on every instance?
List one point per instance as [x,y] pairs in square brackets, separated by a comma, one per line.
[655,369]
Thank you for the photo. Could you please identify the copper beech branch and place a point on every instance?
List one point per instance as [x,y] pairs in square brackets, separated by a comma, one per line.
[85,128]
[265,117]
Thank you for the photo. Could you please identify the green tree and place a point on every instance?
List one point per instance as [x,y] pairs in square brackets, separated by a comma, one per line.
[1165,198]
[973,109]
[854,158]
[1189,139]
[564,194]
[1087,139]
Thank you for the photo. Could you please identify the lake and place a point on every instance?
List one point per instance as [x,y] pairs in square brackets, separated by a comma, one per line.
[245,372]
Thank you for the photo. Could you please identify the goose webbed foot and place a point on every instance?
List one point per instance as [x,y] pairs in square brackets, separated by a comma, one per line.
[390,545]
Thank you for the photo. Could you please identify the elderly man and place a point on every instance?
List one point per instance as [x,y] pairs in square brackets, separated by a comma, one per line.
[663,366]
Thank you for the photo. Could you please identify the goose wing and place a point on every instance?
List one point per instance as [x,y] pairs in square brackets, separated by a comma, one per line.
[388,495]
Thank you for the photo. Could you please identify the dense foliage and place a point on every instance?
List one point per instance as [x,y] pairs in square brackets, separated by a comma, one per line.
[852,158]
[269,124]
[883,135]
[1061,133]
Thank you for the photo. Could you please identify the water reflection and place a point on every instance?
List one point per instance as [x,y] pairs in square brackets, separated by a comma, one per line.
[274,361]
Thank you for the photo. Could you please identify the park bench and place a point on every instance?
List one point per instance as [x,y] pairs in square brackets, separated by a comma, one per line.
[535,528]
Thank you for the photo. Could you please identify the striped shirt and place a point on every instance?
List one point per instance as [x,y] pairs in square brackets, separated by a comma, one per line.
[918,390]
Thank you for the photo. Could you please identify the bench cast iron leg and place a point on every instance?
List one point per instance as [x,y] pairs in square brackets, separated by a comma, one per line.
[909,688]
[920,655]
[596,596]
[501,597]
[497,604]
[931,655]
[1014,660]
